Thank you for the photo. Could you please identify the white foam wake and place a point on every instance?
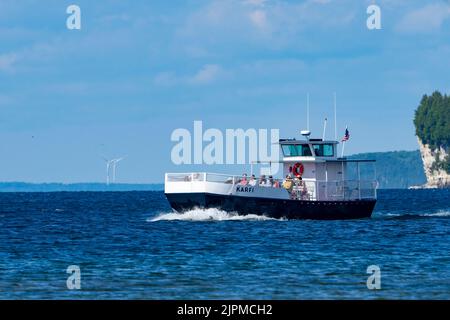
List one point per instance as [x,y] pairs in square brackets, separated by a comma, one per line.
[436,214]
[441,213]
[207,215]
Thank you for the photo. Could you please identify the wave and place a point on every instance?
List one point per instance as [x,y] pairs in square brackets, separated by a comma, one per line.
[208,215]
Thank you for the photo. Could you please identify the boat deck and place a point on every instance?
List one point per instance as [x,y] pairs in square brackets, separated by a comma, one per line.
[305,190]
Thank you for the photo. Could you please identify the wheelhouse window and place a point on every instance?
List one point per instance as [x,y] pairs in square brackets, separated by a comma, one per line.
[296,150]
[324,150]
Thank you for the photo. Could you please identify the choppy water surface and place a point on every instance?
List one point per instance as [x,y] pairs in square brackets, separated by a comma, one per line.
[131,246]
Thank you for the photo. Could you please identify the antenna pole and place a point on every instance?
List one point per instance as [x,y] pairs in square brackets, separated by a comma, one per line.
[335,118]
[324,129]
[307,111]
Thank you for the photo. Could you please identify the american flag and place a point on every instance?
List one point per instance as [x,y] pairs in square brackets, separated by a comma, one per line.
[346,135]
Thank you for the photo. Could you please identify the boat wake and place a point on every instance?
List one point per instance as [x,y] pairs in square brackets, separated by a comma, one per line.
[441,213]
[208,215]
[437,214]
[220,215]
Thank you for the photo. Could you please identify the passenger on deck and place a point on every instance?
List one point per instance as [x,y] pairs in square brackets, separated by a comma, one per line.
[276,184]
[244,180]
[288,184]
[304,192]
[262,181]
[270,181]
[252,181]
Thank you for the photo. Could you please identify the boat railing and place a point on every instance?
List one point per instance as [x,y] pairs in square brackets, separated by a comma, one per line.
[306,189]
[220,178]
[185,177]
[346,189]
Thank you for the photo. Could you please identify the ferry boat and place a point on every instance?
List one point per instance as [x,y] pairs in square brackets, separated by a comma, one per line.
[314,187]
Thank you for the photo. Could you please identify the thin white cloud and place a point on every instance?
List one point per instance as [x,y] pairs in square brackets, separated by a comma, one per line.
[266,22]
[258,19]
[32,57]
[257,3]
[6,100]
[7,62]
[207,74]
[320,1]
[165,79]
[196,51]
[115,18]
[266,68]
[426,19]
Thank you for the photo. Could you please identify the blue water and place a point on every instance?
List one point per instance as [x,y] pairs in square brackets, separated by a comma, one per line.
[130,246]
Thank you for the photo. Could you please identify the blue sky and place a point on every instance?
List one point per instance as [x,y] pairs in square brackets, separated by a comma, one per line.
[137,70]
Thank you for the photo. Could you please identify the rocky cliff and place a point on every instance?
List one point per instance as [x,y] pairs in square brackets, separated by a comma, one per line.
[437,177]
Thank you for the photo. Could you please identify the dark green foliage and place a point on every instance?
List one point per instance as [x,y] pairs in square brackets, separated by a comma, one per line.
[432,120]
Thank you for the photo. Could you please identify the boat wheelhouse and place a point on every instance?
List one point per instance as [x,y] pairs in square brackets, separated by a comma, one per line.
[317,184]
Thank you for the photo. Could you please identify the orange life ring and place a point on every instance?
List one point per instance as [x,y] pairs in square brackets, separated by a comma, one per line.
[298,169]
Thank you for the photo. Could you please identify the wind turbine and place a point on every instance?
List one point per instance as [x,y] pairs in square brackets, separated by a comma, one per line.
[114,163]
[108,165]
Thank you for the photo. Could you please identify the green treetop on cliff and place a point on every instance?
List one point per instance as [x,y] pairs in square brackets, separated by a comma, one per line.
[432,120]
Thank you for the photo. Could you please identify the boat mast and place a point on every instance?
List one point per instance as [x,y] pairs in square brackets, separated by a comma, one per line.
[307,111]
[335,118]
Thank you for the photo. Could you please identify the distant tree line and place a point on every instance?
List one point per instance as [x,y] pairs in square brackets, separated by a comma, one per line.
[432,121]
[394,169]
